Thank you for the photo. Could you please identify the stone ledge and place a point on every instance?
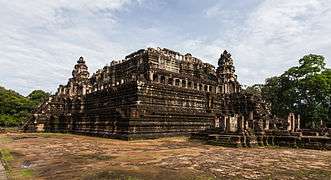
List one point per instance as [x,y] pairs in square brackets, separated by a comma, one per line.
[239,140]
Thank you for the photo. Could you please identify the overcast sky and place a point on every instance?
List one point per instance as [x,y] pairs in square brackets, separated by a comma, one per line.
[41,40]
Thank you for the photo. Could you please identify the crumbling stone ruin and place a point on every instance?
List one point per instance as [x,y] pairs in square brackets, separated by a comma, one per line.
[160,92]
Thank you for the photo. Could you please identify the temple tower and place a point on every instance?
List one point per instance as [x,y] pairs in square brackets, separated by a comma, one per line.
[78,84]
[226,73]
[80,72]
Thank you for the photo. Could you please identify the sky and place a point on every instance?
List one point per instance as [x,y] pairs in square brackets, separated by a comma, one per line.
[42,40]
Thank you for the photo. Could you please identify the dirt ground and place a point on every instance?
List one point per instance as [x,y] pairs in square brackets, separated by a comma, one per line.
[66,156]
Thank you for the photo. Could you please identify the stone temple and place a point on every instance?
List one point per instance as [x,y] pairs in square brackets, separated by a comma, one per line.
[159,92]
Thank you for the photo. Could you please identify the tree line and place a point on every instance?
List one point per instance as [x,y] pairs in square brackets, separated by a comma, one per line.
[15,108]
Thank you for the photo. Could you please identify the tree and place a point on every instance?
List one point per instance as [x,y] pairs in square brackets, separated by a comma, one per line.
[256,89]
[303,89]
[14,108]
[38,96]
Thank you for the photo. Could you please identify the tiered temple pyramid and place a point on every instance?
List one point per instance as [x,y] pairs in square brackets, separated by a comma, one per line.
[160,92]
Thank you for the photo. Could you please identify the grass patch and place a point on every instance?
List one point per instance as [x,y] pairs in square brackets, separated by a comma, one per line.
[26,173]
[5,159]
[5,139]
[5,156]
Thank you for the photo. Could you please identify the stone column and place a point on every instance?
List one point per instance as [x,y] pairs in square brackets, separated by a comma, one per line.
[241,124]
[246,124]
[166,79]
[151,76]
[298,123]
[293,123]
[84,89]
[82,107]
[223,120]
[251,115]
[228,124]
[266,124]
[290,122]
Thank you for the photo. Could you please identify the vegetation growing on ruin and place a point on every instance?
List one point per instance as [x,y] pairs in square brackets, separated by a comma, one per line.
[14,108]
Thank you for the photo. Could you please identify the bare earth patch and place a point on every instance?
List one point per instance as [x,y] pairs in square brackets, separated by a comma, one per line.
[66,156]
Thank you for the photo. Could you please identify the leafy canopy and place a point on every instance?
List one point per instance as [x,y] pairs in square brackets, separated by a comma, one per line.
[15,107]
[303,89]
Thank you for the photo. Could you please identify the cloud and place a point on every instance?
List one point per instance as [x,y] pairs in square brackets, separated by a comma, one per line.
[272,37]
[278,33]
[39,39]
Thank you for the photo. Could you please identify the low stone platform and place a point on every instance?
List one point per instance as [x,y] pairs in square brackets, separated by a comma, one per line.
[267,138]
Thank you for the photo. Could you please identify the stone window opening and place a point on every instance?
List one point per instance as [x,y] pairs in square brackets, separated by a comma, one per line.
[177,82]
[189,84]
[162,79]
[200,87]
[170,80]
[183,83]
[155,77]
[206,87]
[195,85]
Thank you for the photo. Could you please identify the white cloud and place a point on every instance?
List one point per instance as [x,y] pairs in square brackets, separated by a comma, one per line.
[278,33]
[39,40]
[273,37]
[215,11]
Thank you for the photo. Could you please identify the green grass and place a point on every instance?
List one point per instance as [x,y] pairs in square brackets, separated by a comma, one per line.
[26,173]
[5,155]
[6,158]
[5,139]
